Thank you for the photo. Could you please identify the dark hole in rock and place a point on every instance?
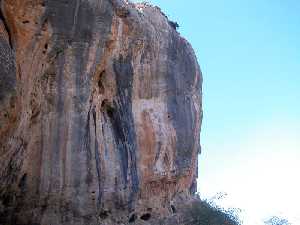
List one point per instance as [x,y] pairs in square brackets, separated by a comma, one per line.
[104,102]
[110,112]
[45,48]
[43,207]
[70,41]
[104,214]
[35,112]
[149,209]
[132,218]
[145,216]
[25,21]
[6,200]
[173,209]
[101,87]
[22,183]
[100,82]
[105,105]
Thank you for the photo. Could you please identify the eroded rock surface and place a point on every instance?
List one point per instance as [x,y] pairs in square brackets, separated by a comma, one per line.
[100,114]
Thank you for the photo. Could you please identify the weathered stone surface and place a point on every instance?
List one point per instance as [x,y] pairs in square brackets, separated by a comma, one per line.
[100,114]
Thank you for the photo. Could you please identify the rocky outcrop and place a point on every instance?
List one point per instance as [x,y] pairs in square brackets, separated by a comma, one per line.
[100,114]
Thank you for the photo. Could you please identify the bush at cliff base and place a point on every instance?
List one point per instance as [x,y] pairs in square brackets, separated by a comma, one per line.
[207,213]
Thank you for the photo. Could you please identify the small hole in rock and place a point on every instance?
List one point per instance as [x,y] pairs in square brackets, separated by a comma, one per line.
[22,183]
[45,48]
[173,209]
[110,112]
[102,74]
[100,82]
[105,105]
[104,214]
[145,216]
[25,21]
[6,200]
[149,209]
[101,87]
[132,218]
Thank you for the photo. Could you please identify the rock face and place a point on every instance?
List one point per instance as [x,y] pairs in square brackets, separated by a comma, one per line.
[100,114]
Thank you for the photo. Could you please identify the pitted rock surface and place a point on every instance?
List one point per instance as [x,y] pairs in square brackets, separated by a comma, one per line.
[100,114]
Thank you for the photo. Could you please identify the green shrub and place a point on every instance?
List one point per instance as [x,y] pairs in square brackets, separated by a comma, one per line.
[207,213]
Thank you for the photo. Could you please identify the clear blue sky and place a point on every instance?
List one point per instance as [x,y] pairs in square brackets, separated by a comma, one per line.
[249,53]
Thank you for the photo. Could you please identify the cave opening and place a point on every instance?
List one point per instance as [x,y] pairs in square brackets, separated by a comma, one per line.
[106,106]
[173,209]
[145,216]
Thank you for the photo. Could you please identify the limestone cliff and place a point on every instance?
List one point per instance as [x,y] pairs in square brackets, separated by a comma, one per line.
[100,114]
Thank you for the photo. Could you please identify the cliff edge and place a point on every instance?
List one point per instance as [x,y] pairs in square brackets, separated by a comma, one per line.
[100,114]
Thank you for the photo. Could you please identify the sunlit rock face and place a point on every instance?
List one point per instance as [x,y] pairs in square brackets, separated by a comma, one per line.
[100,114]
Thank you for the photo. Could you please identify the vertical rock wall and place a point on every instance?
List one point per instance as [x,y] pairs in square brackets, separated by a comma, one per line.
[100,113]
